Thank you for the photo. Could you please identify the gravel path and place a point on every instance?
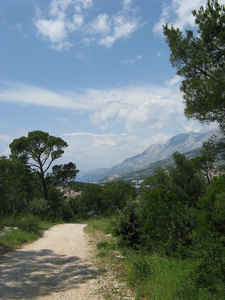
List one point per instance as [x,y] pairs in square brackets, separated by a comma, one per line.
[57,266]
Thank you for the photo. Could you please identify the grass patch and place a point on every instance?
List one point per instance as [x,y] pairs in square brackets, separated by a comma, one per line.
[29,227]
[151,276]
[157,278]
[17,238]
[104,225]
[106,248]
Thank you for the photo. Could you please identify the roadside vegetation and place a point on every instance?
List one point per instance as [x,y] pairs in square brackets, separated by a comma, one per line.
[165,247]
[16,230]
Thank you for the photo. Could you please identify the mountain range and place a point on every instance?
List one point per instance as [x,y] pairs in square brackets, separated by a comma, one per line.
[182,143]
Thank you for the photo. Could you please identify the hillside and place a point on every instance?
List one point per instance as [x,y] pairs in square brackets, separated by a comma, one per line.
[182,143]
[148,171]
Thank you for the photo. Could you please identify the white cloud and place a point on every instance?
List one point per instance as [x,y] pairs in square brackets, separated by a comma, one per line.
[101,24]
[176,79]
[127,4]
[127,120]
[141,115]
[62,46]
[27,94]
[5,141]
[178,13]
[123,27]
[132,60]
[53,29]
[66,17]
[100,150]
[135,108]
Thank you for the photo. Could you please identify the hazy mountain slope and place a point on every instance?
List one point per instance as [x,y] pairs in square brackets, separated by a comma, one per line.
[148,171]
[182,143]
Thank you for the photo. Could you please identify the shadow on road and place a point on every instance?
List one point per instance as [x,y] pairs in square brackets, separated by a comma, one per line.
[31,274]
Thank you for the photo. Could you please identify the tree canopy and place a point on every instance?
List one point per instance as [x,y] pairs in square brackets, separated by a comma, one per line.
[65,173]
[38,150]
[200,60]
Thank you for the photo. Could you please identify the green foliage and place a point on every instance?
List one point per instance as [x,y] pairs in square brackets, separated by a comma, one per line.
[90,199]
[114,196]
[78,207]
[37,148]
[64,173]
[28,223]
[156,277]
[128,226]
[181,218]
[200,60]
[103,224]
[185,180]
[16,238]
[37,151]
[30,228]
[106,245]
[167,207]
[166,222]
[141,268]
[108,199]
[159,178]
[15,186]
[208,256]
[211,208]
[162,277]
[59,207]
[38,206]
[209,240]
[66,211]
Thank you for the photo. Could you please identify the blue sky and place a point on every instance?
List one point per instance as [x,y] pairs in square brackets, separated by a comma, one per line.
[95,73]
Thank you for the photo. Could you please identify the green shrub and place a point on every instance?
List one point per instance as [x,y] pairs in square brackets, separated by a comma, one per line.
[38,206]
[28,223]
[128,226]
[67,213]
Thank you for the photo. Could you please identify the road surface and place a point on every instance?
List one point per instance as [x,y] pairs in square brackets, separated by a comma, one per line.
[56,266]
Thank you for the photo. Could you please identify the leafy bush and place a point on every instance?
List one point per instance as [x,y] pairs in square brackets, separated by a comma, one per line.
[28,223]
[128,226]
[38,206]
[165,222]
[208,255]
[211,208]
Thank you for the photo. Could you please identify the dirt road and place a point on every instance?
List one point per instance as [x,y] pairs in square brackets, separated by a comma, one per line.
[56,266]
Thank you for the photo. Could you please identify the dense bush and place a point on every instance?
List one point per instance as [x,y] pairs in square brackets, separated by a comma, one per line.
[38,206]
[165,222]
[128,225]
[28,223]
[179,216]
